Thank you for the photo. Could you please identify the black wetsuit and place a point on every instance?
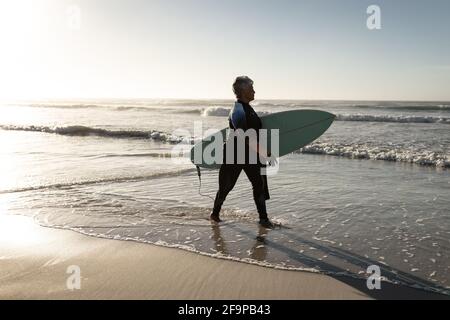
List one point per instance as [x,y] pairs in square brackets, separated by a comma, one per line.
[243,118]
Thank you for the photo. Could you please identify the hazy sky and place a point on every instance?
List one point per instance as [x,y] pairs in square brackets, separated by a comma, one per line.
[195,48]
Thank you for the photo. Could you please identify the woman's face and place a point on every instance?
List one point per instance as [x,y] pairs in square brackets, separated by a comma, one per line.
[248,93]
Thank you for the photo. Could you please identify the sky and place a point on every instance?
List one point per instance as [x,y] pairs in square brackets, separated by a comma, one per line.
[193,49]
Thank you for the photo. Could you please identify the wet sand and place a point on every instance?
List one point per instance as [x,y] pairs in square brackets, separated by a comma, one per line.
[34,261]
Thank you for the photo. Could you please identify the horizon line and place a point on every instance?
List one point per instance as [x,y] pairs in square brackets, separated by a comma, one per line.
[205,99]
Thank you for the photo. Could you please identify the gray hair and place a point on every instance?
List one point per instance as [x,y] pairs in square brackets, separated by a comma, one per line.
[240,83]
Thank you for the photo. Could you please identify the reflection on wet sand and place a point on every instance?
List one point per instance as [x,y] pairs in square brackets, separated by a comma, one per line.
[219,243]
[257,252]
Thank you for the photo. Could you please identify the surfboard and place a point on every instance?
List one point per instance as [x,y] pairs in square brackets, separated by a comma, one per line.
[297,128]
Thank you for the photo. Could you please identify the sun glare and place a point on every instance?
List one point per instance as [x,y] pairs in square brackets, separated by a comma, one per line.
[18,230]
[21,23]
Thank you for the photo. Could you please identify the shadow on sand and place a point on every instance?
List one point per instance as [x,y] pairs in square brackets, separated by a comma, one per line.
[387,291]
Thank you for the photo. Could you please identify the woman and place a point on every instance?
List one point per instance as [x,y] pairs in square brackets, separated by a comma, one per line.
[242,116]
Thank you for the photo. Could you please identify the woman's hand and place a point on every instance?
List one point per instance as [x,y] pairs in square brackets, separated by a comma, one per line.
[271,160]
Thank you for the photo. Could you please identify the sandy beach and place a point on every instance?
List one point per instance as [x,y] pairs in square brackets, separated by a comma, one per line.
[33,265]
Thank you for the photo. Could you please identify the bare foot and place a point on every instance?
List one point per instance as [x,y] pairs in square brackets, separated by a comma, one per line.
[215,218]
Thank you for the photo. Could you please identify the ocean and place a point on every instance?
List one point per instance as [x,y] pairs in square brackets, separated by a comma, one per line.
[373,190]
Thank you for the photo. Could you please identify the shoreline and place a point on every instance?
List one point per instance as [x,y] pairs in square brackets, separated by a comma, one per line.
[34,262]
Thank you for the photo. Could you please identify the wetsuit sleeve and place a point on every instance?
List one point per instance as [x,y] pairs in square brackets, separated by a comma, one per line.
[237,117]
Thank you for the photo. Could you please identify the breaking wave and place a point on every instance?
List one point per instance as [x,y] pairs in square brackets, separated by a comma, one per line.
[360,151]
[436,107]
[351,151]
[221,112]
[386,118]
[100,132]
[216,112]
